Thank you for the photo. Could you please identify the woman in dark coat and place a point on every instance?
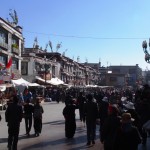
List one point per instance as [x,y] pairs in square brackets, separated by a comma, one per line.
[110,126]
[69,115]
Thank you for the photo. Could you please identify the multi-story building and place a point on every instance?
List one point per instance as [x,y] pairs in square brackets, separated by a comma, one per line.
[37,62]
[120,76]
[11,45]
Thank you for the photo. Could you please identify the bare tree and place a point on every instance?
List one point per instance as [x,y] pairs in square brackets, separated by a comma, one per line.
[35,44]
[58,46]
[14,16]
[50,45]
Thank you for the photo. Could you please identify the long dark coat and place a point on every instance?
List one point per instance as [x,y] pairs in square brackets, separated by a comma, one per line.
[70,122]
[109,129]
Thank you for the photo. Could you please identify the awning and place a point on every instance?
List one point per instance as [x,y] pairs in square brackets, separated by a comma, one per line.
[55,81]
[23,82]
[39,78]
[20,81]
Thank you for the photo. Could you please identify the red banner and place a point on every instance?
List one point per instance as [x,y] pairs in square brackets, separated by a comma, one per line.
[9,63]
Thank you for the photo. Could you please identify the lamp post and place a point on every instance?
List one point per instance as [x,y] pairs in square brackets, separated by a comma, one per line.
[45,68]
[45,74]
[147,55]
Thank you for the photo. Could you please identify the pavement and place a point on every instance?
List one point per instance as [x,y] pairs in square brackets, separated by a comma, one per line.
[53,134]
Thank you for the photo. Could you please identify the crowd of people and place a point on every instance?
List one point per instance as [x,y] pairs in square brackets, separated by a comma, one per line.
[119,115]
[14,114]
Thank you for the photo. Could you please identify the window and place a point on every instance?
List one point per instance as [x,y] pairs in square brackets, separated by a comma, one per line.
[3,60]
[116,70]
[24,68]
[53,71]
[132,71]
[3,36]
[15,64]
[113,79]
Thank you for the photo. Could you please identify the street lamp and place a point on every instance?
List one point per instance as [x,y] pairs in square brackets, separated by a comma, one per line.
[147,55]
[45,68]
[45,71]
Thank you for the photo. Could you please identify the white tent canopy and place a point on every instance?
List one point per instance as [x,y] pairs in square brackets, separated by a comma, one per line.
[55,81]
[39,78]
[23,82]
[20,81]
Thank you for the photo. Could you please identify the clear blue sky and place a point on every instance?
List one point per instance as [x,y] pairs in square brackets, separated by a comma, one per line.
[109,30]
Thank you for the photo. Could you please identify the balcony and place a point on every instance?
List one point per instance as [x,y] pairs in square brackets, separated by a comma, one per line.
[4,45]
[15,48]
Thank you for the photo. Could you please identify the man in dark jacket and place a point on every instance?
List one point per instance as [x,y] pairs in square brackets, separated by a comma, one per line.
[80,101]
[28,111]
[13,116]
[127,136]
[91,114]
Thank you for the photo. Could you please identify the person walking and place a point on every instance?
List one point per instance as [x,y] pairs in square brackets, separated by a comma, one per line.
[130,108]
[127,136]
[37,115]
[91,114]
[109,128]
[80,101]
[28,111]
[13,116]
[103,111]
[70,121]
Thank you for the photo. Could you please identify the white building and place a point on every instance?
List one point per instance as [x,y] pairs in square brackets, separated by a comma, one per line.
[11,45]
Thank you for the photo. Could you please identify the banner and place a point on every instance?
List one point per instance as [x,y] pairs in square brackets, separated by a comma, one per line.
[9,63]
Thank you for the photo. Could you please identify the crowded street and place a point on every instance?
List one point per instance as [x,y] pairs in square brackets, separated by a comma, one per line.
[53,133]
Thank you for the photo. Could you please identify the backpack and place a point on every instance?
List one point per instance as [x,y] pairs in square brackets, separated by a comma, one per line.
[37,113]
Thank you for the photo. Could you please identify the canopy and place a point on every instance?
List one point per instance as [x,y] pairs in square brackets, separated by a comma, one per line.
[20,81]
[55,81]
[39,78]
[23,82]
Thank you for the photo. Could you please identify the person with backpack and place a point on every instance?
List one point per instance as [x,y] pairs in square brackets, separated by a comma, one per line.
[37,115]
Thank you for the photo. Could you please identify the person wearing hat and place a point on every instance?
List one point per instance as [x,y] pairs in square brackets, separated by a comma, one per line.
[129,106]
[127,136]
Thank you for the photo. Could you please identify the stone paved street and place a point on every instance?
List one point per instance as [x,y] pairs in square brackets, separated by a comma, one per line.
[53,135]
